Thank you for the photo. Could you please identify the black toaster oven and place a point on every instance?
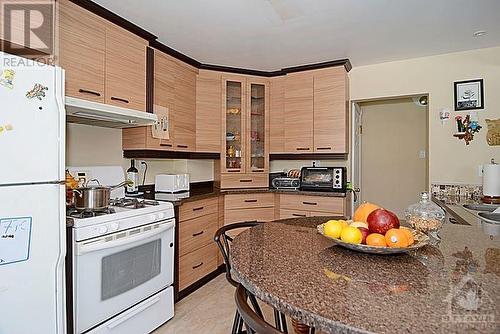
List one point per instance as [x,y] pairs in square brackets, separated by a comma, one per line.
[324,179]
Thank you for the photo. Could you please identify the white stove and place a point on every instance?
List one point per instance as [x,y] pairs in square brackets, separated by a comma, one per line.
[122,262]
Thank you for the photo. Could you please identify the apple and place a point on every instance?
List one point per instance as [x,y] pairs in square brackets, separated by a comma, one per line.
[364,233]
[381,221]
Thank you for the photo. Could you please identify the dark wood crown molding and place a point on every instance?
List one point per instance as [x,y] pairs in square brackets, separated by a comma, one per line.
[154,43]
[156,154]
[115,18]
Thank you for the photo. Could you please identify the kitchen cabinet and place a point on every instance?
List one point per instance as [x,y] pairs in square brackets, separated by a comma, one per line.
[330,110]
[299,93]
[245,132]
[248,207]
[174,95]
[312,205]
[103,62]
[208,115]
[313,107]
[125,84]
[82,47]
[198,254]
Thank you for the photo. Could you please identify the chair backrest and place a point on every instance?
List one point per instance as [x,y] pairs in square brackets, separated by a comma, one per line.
[253,322]
[224,241]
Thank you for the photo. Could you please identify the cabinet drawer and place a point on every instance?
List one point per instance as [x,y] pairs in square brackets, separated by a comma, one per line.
[197,233]
[229,181]
[245,215]
[247,201]
[197,264]
[196,209]
[326,213]
[312,203]
[287,213]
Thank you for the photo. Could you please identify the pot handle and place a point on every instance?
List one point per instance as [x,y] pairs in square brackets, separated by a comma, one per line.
[92,180]
[78,192]
[121,184]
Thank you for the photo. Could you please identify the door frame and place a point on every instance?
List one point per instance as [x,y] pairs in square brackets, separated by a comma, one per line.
[356,104]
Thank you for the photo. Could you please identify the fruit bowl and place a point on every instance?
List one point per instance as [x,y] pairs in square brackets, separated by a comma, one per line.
[420,240]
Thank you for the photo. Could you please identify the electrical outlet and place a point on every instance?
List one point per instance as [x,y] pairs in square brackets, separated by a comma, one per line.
[316,163]
[140,164]
[480,170]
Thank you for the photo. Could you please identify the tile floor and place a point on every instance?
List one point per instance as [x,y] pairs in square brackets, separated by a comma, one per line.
[208,310]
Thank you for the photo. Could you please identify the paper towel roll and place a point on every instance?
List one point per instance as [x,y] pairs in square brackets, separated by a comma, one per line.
[491,180]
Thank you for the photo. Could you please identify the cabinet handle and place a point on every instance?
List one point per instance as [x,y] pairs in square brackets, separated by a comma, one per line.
[323,148]
[85,91]
[250,221]
[297,215]
[167,145]
[197,234]
[182,146]
[119,99]
[233,171]
[198,265]
[246,180]
[198,209]
[309,203]
[453,220]
[302,148]
[250,201]
[257,170]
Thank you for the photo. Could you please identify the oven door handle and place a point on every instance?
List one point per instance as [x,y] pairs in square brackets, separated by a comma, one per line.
[126,316]
[83,249]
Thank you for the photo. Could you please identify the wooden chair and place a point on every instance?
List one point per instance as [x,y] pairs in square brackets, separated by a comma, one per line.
[254,323]
[224,241]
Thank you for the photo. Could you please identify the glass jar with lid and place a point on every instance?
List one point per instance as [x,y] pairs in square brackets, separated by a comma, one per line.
[425,216]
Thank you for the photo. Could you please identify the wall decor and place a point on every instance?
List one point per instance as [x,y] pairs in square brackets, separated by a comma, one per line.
[469,95]
[466,127]
[493,135]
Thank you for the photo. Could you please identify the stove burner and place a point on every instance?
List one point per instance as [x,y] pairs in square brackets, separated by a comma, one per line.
[74,213]
[132,203]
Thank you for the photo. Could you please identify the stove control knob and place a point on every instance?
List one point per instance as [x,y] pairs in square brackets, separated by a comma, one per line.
[102,229]
[114,226]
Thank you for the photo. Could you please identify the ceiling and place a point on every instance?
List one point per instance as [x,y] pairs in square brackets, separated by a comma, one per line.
[273,34]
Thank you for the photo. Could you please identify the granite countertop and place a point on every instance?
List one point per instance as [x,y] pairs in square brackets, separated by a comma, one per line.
[450,288]
[204,193]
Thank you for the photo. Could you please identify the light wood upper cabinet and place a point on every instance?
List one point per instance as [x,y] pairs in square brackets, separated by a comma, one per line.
[208,115]
[125,82]
[185,107]
[330,110]
[277,114]
[298,120]
[82,51]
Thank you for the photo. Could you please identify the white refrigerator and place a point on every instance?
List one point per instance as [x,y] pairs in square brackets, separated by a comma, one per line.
[32,197]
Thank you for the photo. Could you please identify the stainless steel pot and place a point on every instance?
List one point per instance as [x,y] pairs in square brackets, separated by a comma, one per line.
[93,197]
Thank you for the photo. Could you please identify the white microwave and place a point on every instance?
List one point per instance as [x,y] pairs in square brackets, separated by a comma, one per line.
[171,183]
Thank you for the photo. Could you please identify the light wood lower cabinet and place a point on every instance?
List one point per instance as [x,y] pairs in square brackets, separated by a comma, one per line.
[198,253]
[249,201]
[197,264]
[251,207]
[329,205]
[287,213]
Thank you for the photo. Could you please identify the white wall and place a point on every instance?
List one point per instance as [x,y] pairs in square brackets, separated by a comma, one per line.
[450,160]
[96,146]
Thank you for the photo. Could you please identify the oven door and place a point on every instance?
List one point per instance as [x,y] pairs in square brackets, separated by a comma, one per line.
[116,271]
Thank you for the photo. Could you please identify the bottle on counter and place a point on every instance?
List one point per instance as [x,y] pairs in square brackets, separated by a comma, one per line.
[133,177]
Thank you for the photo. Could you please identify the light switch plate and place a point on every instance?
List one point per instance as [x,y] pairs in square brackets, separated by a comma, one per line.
[480,170]
[421,154]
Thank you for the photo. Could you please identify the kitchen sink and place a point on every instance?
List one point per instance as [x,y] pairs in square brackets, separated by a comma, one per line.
[490,216]
[481,207]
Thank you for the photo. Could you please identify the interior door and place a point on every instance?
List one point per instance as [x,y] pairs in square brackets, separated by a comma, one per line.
[356,131]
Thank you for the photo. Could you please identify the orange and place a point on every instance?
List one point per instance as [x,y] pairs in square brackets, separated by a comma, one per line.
[375,239]
[409,235]
[363,211]
[395,237]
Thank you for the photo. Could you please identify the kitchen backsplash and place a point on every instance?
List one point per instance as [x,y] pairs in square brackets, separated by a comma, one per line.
[472,191]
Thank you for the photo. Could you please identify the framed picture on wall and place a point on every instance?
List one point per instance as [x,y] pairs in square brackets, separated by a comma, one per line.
[469,95]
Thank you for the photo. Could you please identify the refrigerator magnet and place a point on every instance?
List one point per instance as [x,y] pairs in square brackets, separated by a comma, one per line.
[7,78]
[38,92]
[15,237]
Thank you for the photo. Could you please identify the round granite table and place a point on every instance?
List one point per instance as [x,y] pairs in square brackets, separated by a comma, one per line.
[451,288]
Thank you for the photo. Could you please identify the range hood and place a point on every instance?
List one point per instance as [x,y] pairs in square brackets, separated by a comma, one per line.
[105,115]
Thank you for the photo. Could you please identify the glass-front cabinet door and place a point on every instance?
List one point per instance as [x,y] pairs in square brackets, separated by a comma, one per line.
[234,116]
[257,116]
